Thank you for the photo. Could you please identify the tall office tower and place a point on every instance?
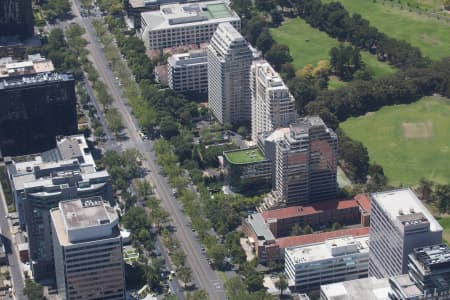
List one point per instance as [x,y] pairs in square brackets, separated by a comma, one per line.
[229,61]
[36,103]
[64,173]
[88,250]
[273,106]
[399,223]
[16,18]
[306,163]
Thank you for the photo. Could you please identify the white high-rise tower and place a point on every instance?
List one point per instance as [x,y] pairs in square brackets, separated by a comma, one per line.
[229,61]
[272,104]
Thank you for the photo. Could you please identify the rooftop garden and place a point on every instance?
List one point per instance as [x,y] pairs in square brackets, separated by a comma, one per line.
[244,156]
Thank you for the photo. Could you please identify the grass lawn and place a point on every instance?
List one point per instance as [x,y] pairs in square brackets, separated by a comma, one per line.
[445,223]
[432,36]
[309,45]
[334,83]
[410,141]
[244,156]
[425,4]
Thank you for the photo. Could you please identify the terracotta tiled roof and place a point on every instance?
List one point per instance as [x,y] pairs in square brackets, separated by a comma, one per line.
[319,237]
[364,202]
[360,200]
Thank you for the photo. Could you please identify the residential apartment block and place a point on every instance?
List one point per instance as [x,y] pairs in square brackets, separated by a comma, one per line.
[183,24]
[399,223]
[87,250]
[67,172]
[188,72]
[309,266]
[229,61]
[306,163]
[36,103]
[273,106]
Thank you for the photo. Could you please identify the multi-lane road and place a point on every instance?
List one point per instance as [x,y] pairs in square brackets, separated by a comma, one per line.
[13,255]
[204,277]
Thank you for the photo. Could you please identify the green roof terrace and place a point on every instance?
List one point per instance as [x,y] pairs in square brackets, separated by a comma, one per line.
[244,156]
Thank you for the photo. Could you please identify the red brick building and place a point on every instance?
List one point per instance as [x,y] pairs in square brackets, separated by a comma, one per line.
[268,232]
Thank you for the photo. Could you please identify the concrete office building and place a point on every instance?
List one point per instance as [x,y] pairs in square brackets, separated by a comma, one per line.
[428,275]
[306,163]
[188,72]
[229,61]
[66,172]
[16,18]
[36,103]
[273,106]
[402,287]
[429,267]
[369,288]
[177,24]
[399,223]
[309,266]
[88,250]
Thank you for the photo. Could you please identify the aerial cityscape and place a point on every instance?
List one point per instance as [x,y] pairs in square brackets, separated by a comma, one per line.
[224,149]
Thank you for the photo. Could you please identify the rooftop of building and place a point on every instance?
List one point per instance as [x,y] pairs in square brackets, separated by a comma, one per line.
[181,49]
[330,248]
[244,156]
[87,212]
[34,64]
[198,56]
[406,286]
[84,219]
[227,31]
[180,15]
[147,3]
[70,157]
[33,79]
[431,256]
[299,240]
[260,227]
[74,146]
[403,207]
[361,200]
[303,125]
[369,288]
[276,135]
[267,73]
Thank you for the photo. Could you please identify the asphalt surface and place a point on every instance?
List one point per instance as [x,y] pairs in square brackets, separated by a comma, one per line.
[110,143]
[203,276]
[11,249]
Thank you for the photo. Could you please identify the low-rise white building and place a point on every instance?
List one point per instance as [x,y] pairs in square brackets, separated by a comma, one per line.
[339,259]
[184,24]
[369,288]
[188,72]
